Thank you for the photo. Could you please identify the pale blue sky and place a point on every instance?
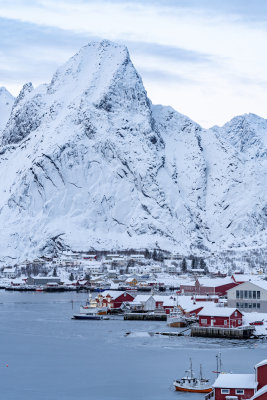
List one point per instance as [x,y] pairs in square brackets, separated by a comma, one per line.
[206,58]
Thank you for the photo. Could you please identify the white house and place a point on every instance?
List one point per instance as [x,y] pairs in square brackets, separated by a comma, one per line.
[249,296]
[143,302]
[9,272]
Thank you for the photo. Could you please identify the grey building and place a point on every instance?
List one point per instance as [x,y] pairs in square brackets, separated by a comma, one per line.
[42,280]
[249,296]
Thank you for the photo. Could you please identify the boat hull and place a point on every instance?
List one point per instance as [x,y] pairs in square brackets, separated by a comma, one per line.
[192,390]
[177,324]
[86,316]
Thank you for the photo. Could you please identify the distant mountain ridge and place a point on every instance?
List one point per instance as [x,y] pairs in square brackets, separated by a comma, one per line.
[88,162]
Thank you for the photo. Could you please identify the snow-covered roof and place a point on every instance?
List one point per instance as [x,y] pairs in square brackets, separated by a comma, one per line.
[245,277]
[141,298]
[236,381]
[187,304]
[215,311]
[260,364]
[260,392]
[257,282]
[112,293]
[9,270]
[214,282]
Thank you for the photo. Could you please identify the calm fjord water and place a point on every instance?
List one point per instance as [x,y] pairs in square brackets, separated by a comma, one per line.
[51,357]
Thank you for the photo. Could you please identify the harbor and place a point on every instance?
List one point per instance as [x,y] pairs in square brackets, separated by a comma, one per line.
[68,352]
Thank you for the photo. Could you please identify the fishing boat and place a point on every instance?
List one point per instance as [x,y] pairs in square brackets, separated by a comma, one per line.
[190,383]
[176,319]
[89,316]
[90,311]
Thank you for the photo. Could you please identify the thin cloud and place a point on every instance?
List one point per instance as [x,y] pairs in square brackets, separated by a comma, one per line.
[210,52]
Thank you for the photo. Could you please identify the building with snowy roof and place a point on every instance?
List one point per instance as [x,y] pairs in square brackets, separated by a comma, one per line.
[224,317]
[241,386]
[249,296]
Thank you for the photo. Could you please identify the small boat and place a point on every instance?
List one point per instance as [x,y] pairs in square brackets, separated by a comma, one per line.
[90,311]
[176,319]
[190,383]
[91,316]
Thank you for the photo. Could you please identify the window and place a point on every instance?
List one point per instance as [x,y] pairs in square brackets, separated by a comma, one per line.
[225,322]
[250,294]
[254,305]
[235,313]
[258,305]
[246,305]
[241,294]
[239,322]
[258,294]
[237,305]
[237,294]
[239,391]
[203,321]
[254,294]
[245,294]
[225,391]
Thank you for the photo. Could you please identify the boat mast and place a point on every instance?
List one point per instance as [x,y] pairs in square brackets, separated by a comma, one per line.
[200,372]
[191,368]
[219,363]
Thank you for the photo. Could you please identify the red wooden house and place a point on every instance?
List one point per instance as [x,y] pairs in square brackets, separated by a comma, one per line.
[241,386]
[224,317]
[260,394]
[113,298]
[261,375]
[234,387]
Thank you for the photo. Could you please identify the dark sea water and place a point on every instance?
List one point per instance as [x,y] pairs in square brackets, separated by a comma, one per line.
[51,357]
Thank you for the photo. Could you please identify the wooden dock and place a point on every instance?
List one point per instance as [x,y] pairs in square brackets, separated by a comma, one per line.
[145,317]
[220,332]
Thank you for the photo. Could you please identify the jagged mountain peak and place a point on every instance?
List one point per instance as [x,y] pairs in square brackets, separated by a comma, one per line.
[89,162]
[100,77]
[26,89]
[5,92]
[247,133]
[93,65]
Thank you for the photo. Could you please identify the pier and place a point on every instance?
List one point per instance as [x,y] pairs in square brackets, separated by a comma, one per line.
[244,332]
[145,317]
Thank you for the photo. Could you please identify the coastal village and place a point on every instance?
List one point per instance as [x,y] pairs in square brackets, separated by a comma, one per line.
[185,294]
[142,286]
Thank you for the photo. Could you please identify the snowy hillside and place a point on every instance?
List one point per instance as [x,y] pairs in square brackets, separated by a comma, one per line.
[87,162]
[6,103]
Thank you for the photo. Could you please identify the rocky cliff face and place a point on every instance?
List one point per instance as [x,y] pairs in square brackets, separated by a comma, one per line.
[6,104]
[88,162]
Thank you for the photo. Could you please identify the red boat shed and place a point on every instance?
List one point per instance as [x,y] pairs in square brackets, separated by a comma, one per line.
[223,317]
[234,387]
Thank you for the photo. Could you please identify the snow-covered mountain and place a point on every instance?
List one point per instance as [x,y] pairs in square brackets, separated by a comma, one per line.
[88,162]
[6,104]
